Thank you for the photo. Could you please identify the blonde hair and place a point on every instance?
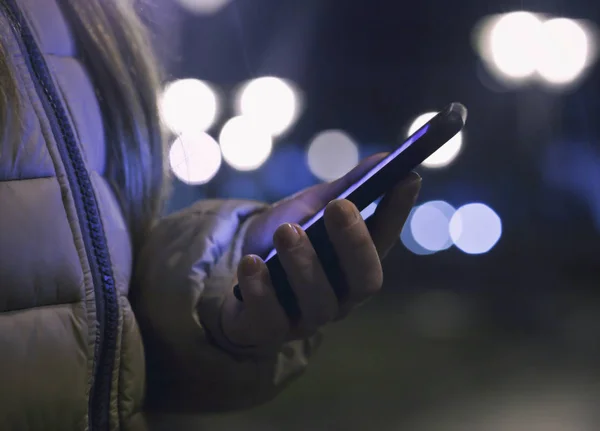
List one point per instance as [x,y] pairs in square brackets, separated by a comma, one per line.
[114,46]
[9,107]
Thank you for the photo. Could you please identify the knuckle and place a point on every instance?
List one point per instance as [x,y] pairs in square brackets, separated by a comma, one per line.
[357,239]
[305,263]
[372,289]
[372,282]
[277,334]
[318,310]
[304,268]
[325,312]
[308,329]
[268,332]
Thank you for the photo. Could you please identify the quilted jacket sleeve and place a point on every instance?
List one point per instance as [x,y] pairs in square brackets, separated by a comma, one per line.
[186,267]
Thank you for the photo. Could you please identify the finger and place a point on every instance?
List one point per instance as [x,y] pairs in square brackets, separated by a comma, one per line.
[316,299]
[386,223]
[260,320]
[325,192]
[356,252]
[300,207]
[324,195]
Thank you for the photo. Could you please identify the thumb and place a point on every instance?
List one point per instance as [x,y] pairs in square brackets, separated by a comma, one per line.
[300,207]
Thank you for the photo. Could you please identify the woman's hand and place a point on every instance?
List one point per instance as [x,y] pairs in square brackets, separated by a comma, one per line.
[260,320]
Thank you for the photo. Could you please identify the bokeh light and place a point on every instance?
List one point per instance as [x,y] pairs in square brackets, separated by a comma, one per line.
[475,228]
[429,225]
[203,7]
[195,158]
[563,52]
[446,153]
[520,46]
[272,102]
[514,44]
[188,106]
[407,239]
[332,154]
[245,145]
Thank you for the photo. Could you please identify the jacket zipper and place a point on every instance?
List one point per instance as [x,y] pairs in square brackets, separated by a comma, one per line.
[89,218]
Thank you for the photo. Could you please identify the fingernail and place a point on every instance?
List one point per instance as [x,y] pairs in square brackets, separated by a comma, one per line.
[251,266]
[412,183]
[344,213]
[287,236]
[413,178]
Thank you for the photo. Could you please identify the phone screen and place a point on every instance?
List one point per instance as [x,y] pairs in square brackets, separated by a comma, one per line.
[411,140]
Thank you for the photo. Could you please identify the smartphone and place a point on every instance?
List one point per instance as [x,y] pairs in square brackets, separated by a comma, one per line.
[375,183]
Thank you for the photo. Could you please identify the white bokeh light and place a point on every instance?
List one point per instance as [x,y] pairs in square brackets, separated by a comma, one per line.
[195,158]
[245,145]
[447,152]
[514,44]
[332,154]
[188,106]
[430,225]
[407,239]
[203,7]
[563,52]
[271,101]
[475,228]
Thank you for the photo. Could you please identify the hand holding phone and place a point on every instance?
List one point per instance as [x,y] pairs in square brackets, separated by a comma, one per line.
[261,320]
[329,259]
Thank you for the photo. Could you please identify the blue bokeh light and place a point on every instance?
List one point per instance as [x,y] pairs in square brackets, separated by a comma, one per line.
[475,228]
[409,241]
[429,225]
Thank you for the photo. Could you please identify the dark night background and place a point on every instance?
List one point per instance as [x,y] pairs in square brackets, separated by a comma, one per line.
[507,340]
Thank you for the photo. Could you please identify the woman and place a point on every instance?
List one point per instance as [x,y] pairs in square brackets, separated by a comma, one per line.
[82,180]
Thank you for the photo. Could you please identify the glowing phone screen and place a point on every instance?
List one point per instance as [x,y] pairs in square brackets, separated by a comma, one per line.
[411,140]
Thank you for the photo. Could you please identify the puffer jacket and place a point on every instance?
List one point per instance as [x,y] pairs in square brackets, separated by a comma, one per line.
[72,356]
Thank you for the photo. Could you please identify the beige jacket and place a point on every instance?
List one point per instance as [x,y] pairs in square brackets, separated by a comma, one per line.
[72,355]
